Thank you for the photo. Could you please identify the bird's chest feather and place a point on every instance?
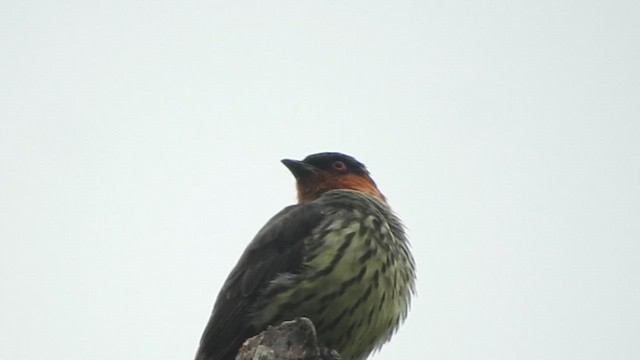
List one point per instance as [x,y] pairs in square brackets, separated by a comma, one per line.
[350,287]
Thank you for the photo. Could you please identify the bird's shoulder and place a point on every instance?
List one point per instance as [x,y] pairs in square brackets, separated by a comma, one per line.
[276,248]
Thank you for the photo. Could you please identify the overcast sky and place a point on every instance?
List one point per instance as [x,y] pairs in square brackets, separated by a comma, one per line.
[140,144]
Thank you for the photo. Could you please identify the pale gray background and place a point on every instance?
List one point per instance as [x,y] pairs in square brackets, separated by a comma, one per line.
[140,145]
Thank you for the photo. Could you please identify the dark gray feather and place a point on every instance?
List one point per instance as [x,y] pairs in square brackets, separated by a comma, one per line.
[276,249]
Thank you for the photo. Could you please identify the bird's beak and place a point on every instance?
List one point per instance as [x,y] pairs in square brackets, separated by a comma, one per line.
[299,169]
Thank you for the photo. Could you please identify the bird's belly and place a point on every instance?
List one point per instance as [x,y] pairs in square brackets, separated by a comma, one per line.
[351,290]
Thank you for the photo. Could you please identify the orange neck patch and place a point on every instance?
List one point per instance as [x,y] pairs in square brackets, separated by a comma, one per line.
[311,189]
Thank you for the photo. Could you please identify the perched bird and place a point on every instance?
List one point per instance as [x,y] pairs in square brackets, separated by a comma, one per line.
[339,257]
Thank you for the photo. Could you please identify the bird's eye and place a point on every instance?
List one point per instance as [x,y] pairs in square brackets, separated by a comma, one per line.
[339,165]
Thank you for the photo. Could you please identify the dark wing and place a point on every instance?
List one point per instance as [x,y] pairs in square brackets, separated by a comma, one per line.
[276,249]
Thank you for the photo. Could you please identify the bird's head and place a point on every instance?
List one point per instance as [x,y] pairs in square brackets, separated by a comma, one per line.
[319,173]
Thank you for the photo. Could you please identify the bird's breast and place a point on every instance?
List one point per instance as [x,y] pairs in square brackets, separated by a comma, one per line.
[355,284]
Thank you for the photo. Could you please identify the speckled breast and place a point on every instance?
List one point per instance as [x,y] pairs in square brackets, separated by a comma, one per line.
[357,278]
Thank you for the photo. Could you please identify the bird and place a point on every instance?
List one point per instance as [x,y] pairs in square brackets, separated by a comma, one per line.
[339,257]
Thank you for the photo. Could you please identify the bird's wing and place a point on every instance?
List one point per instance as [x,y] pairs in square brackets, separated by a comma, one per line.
[276,249]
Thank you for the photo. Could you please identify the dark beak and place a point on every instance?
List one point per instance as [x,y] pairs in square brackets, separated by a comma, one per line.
[299,169]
